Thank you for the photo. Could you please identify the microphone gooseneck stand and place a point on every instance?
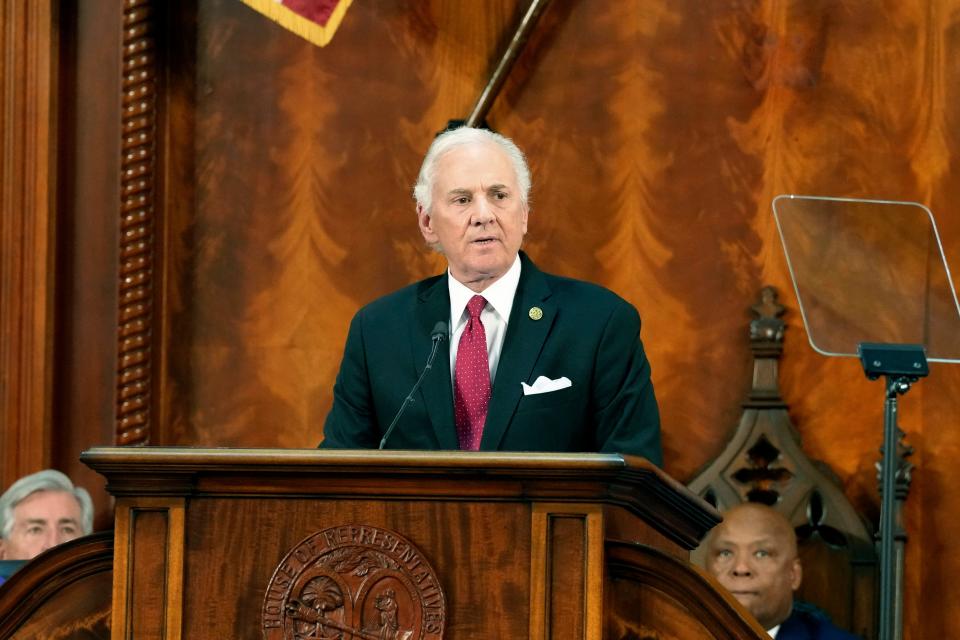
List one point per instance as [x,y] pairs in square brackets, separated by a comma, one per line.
[438,335]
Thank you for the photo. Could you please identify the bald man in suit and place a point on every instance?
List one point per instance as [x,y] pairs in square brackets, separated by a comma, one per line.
[753,554]
[527,361]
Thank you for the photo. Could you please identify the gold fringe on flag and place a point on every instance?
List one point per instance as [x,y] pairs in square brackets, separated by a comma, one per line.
[318,34]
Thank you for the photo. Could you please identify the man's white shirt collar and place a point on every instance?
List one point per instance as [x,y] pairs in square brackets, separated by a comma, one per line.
[498,295]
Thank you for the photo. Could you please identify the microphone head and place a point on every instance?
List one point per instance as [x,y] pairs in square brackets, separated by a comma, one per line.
[439,331]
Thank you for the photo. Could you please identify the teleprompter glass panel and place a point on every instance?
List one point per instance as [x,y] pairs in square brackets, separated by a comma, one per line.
[869,271]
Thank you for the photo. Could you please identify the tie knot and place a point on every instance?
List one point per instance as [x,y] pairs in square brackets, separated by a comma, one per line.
[476,305]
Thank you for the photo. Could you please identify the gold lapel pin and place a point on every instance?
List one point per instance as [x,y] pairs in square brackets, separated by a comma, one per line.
[535,313]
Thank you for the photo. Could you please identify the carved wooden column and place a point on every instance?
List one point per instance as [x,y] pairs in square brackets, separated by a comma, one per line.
[27,186]
[138,192]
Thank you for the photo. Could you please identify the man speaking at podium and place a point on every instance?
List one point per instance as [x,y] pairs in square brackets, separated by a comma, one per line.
[517,359]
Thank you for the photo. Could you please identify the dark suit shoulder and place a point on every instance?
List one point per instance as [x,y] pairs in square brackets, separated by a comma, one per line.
[589,304]
[803,625]
[581,290]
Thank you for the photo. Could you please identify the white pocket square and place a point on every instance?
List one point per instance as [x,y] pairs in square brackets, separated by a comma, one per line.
[543,384]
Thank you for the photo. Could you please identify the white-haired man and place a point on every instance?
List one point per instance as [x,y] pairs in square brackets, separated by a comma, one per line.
[527,361]
[40,511]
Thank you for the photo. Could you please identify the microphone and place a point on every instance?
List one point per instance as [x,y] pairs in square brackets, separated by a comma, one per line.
[437,335]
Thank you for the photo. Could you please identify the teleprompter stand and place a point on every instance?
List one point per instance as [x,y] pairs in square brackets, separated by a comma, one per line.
[872,282]
[901,365]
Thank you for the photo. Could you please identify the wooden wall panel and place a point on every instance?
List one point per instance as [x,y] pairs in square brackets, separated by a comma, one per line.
[498,552]
[87,220]
[28,50]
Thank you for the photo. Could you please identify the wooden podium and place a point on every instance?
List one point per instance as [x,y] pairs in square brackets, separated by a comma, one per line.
[228,543]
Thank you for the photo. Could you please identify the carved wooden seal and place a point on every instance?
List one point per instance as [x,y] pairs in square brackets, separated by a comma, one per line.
[354,583]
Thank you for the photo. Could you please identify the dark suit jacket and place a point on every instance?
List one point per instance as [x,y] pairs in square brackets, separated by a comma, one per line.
[802,625]
[587,334]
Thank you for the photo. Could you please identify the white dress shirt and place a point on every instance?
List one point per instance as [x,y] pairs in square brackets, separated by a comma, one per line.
[494,316]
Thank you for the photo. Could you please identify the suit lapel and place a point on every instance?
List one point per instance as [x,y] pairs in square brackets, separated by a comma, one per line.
[433,305]
[524,340]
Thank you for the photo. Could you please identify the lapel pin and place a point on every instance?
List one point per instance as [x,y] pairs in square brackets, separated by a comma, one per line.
[535,313]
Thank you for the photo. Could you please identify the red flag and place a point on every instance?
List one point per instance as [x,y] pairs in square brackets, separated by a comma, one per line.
[315,20]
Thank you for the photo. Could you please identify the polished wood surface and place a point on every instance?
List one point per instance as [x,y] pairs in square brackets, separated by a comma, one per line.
[85,312]
[650,595]
[677,518]
[518,542]
[28,62]
[658,134]
[64,593]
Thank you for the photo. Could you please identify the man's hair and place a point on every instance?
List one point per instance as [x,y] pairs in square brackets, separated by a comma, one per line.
[46,480]
[448,140]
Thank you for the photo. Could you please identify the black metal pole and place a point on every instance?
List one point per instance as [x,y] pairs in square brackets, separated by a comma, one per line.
[889,593]
[901,365]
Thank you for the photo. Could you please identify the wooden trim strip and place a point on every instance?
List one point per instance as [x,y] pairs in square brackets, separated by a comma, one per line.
[593,625]
[540,579]
[124,600]
[173,626]
[28,51]
[121,571]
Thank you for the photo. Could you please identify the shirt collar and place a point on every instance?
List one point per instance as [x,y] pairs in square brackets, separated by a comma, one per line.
[499,295]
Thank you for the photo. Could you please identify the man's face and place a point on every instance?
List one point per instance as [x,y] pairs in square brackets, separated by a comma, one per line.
[753,555]
[476,215]
[42,520]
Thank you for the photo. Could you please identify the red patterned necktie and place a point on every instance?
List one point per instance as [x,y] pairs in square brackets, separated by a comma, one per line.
[471,384]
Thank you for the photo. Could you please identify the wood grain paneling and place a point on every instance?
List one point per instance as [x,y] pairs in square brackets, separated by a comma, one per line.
[261,524]
[28,52]
[88,180]
[566,580]
[65,593]
[428,526]
[149,569]
[646,596]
